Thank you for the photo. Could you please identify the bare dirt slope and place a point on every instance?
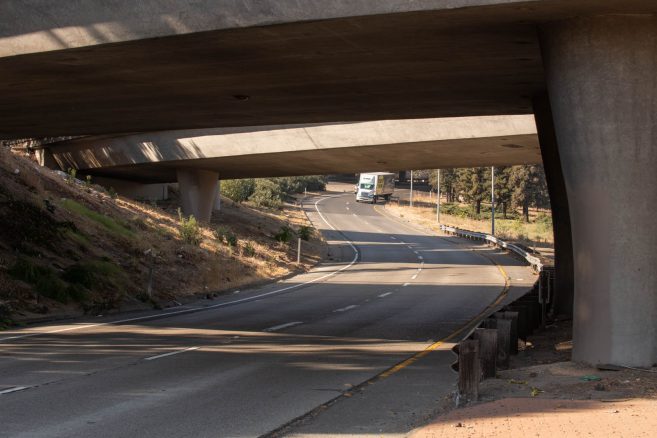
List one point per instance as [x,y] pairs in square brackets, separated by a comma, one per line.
[68,248]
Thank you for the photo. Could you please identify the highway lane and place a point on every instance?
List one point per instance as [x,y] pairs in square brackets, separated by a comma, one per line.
[260,358]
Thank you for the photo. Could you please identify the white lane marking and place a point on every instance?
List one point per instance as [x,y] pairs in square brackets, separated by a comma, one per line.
[352,214]
[347,208]
[405,284]
[172,353]
[14,389]
[393,237]
[414,277]
[344,309]
[385,294]
[214,306]
[282,326]
[415,252]
[519,279]
[236,292]
[420,258]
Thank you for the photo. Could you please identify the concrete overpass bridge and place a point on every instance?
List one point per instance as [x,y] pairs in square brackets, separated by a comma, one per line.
[585,68]
[196,159]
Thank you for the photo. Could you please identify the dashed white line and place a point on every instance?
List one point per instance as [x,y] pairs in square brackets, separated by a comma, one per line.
[282,326]
[215,306]
[14,389]
[385,294]
[414,277]
[159,356]
[347,208]
[344,309]
[393,237]
[420,258]
[405,284]
[236,292]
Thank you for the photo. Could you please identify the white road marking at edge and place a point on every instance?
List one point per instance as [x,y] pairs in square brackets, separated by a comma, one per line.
[282,326]
[414,277]
[172,353]
[405,284]
[393,237]
[385,294]
[344,309]
[14,389]
[215,306]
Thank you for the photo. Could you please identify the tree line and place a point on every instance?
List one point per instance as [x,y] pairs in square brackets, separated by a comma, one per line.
[516,187]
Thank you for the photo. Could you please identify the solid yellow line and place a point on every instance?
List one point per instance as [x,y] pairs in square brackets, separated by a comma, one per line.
[507,285]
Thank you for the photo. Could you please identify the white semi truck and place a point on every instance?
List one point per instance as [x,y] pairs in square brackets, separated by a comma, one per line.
[373,186]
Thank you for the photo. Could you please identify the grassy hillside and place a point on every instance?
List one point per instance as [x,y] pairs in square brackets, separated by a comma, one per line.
[72,247]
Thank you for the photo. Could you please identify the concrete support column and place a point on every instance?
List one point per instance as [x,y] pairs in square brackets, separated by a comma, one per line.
[562,299]
[602,86]
[46,159]
[198,192]
[217,201]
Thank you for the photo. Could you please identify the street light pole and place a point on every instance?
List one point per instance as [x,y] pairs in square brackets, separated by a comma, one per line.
[492,200]
[411,189]
[438,196]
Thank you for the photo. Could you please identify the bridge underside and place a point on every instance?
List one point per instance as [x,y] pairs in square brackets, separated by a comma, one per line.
[439,62]
[267,151]
[594,59]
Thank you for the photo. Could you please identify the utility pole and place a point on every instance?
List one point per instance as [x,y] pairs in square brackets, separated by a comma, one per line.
[438,196]
[492,200]
[411,202]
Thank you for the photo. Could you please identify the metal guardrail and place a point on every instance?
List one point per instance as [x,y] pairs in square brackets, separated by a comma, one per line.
[534,261]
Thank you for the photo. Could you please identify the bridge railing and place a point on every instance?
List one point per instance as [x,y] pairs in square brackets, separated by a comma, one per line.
[534,261]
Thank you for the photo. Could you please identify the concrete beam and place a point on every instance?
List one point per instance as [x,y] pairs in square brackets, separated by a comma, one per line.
[603,91]
[308,149]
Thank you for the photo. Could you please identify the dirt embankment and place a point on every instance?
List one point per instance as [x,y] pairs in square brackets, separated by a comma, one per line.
[68,247]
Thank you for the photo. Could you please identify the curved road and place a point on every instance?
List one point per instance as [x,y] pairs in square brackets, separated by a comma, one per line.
[249,363]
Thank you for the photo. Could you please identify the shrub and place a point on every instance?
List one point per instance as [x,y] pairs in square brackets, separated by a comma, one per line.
[46,282]
[284,235]
[223,234]
[189,230]
[267,194]
[71,175]
[231,239]
[305,232]
[112,193]
[238,190]
[249,250]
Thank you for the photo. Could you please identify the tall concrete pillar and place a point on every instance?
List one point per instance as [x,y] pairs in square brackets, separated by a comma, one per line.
[217,201]
[602,84]
[562,298]
[198,192]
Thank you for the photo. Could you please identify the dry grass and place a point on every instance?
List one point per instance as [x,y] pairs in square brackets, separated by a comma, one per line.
[180,270]
[514,230]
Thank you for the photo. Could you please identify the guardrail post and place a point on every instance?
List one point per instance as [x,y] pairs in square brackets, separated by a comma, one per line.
[298,250]
[513,329]
[487,351]
[469,369]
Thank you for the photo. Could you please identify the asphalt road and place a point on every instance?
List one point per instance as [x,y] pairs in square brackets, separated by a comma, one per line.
[248,363]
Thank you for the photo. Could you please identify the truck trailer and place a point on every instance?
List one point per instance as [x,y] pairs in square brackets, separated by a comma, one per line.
[373,186]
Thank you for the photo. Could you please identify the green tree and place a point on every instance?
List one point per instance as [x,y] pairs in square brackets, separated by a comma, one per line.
[503,190]
[448,183]
[267,193]
[474,185]
[529,188]
[238,190]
